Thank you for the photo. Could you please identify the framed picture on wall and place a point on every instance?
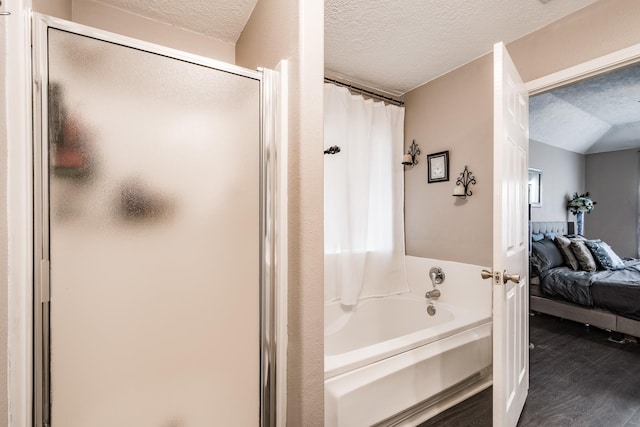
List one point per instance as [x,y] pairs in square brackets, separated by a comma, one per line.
[535,188]
[438,167]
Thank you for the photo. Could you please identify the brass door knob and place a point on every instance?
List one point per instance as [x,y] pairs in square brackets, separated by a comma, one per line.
[486,274]
[515,278]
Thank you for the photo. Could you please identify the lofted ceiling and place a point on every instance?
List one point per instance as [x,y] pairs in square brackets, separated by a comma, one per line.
[595,115]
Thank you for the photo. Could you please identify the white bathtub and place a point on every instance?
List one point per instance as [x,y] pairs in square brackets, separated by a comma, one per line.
[387,355]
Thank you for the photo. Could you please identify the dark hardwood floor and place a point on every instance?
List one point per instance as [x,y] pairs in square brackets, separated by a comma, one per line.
[578,377]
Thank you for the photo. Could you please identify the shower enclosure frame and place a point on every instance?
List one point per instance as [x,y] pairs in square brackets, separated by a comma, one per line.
[272,245]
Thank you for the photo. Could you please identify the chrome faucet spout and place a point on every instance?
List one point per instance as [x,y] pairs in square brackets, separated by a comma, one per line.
[432,294]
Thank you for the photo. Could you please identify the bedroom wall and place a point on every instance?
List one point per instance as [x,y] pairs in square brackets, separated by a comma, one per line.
[563,173]
[458,233]
[612,181]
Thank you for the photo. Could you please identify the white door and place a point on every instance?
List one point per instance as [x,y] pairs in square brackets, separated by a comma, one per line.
[510,251]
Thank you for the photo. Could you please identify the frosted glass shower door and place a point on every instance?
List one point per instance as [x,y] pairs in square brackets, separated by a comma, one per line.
[153,168]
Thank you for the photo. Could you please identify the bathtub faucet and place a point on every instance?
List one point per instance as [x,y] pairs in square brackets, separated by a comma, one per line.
[437,275]
[432,294]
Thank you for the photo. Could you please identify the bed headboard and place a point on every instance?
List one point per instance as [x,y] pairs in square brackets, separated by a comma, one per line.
[556,227]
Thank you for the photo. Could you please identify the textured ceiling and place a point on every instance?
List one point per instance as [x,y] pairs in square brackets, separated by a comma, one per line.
[389,45]
[595,115]
[220,19]
[396,46]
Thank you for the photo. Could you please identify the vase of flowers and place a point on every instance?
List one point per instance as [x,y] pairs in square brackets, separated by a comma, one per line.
[578,205]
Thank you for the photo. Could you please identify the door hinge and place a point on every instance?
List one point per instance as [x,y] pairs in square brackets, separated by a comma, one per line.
[45,275]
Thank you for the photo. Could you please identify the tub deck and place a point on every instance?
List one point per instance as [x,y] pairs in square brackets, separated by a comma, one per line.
[365,386]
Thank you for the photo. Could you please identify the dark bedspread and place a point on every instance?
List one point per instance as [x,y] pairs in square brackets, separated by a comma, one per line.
[614,290]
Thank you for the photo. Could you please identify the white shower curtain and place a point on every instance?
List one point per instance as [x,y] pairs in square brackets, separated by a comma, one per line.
[363,197]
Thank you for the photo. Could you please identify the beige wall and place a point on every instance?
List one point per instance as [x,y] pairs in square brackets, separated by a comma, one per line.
[563,173]
[612,181]
[4,264]
[601,28]
[454,112]
[57,8]
[132,25]
[282,29]
[119,21]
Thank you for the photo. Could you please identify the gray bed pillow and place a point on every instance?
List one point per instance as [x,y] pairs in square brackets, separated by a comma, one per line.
[548,254]
[604,255]
[534,264]
[564,244]
[583,255]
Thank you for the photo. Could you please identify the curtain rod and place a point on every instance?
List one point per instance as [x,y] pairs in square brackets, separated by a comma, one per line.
[366,92]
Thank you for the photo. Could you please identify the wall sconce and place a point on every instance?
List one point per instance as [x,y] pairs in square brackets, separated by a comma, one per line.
[409,159]
[462,184]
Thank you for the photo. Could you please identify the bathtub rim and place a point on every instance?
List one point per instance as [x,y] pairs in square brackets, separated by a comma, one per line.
[464,319]
[337,324]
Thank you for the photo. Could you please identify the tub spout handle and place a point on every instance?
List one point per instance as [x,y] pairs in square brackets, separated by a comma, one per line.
[437,275]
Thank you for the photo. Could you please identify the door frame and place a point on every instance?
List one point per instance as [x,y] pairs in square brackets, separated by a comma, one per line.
[23,86]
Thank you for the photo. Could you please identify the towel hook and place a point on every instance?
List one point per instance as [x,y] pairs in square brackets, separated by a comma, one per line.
[334,149]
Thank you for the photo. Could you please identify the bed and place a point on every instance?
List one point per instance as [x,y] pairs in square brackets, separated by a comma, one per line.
[608,298]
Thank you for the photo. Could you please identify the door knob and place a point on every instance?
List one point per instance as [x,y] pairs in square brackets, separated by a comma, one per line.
[515,278]
[486,274]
